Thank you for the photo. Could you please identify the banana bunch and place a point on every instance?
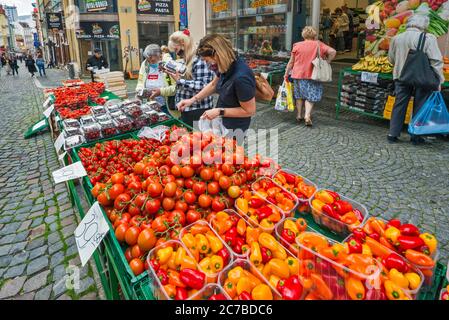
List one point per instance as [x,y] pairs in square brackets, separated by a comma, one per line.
[374,64]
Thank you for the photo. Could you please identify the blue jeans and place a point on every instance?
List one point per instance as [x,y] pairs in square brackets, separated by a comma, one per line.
[41,68]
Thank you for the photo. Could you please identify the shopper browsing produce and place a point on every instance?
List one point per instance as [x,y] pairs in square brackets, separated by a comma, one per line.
[195,76]
[235,84]
[152,81]
[97,61]
[412,39]
[301,67]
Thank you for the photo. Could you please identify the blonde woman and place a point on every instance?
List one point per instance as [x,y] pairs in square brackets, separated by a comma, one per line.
[197,77]
[235,84]
[301,67]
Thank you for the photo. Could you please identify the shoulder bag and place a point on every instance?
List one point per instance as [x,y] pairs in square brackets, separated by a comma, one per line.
[322,70]
[264,92]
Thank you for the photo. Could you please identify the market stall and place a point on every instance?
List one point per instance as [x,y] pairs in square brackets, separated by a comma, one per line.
[368,88]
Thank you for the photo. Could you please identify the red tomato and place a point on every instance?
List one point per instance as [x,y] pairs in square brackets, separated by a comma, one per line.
[120,232]
[204,201]
[168,204]
[177,216]
[170,189]
[188,183]
[176,171]
[131,235]
[152,206]
[225,182]
[192,216]
[187,171]
[118,178]
[181,206]
[122,201]
[213,188]
[207,174]
[189,197]
[155,189]
[199,187]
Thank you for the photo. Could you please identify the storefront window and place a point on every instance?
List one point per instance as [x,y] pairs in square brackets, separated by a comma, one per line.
[153,33]
[221,18]
[97,6]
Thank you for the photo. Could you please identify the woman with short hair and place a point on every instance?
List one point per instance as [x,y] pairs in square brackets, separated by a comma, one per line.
[301,67]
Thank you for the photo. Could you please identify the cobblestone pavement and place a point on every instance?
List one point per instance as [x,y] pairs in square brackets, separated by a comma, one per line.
[352,156]
[37,219]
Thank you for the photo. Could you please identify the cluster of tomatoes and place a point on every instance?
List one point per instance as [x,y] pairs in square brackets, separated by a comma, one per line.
[149,199]
[77,97]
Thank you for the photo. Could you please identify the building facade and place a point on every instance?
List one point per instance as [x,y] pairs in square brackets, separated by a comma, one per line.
[4,30]
[24,37]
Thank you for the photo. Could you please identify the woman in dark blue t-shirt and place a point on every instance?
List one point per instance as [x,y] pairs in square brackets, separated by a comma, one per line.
[235,84]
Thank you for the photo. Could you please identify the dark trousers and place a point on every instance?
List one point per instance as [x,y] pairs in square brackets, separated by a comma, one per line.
[41,68]
[403,94]
[188,117]
[348,39]
[15,70]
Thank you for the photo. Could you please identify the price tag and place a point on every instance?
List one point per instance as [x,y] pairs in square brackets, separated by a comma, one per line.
[49,110]
[90,232]
[38,125]
[369,77]
[61,156]
[264,74]
[70,172]
[59,142]
[45,105]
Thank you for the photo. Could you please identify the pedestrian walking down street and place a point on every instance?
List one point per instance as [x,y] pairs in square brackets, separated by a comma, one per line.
[196,77]
[40,62]
[400,46]
[30,64]
[13,64]
[307,91]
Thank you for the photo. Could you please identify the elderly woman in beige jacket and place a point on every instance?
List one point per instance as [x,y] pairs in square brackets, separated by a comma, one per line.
[156,84]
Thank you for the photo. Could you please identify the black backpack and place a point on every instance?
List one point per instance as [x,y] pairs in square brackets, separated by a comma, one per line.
[417,71]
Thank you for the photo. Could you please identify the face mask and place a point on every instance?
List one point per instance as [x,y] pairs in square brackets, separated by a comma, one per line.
[213,67]
[154,65]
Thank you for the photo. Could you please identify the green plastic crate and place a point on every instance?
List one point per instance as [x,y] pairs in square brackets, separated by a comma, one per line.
[440,278]
[142,290]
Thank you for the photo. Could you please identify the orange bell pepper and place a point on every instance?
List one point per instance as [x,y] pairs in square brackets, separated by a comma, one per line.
[385,242]
[355,288]
[278,196]
[378,226]
[324,196]
[170,290]
[419,259]
[230,288]
[174,279]
[242,205]
[244,284]
[252,234]
[306,267]
[279,268]
[262,292]
[349,218]
[320,287]
[241,227]
[312,240]
[199,229]
[378,249]
[247,195]
[279,178]
[307,283]
[235,274]
[301,224]
[311,296]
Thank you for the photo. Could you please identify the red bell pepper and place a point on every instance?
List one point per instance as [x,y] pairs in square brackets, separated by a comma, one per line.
[445,296]
[409,230]
[334,195]
[194,279]
[288,235]
[256,203]
[336,284]
[359,234]
[407,242]
[393,260]
[342,207]
[358,214]
[239,242]
[271,199]
[218,296]
[230,236]
[264,212]
[375,236]
[225,255]
[355,246]
[155,264]
[289,177]
[393,223]
[245,296]
[329,210]
[424,249]
[181,294]
[266,254]
[375,294]
[289,196]
[162,276]
[290,289]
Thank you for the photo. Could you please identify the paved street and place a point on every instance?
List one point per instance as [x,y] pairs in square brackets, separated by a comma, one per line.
[37,220]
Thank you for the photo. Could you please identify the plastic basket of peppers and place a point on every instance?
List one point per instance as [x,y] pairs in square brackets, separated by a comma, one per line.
[208,250]
[212,291]
[287,231]
[419,248]
[338,213]
[298,185]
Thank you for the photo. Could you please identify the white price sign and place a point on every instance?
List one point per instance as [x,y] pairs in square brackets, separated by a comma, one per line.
[39,125]
[49,110]
[59,142]
[45,105]
[62,155]
[369,77]
[70,172]
[90,232]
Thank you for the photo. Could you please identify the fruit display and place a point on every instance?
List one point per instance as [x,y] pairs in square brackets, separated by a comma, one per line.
[299,186]
[288,230]
[267,189]
[242,281]
[258,211]
[337,213]
[420,249]
[374,64]
[205,246]
[173,272]
[76,97]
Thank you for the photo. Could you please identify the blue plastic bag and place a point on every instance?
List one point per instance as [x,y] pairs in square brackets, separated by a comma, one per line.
[433,118]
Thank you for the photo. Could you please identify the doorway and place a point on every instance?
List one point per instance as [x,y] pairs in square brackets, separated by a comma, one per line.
[111,51]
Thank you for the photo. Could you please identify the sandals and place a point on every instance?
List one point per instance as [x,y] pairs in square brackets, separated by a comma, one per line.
[308,122]
[299,119]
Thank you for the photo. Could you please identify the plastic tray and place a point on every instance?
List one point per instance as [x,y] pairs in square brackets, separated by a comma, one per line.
[246,265]
[211,277]
[286,213]
[303,204]
[338,227]
[209,290]
[280,228]
[158,291]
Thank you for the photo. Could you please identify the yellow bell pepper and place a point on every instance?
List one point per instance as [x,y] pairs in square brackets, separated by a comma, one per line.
[430,241]
[274,280]
[205,265]
[188,262]
[414,280]
[252,234]
[398,278]
[180,253]
[266,224]
[393,291]
[366,250]
[171,263]
[244,284]
[189,240]
[291,225]
[266,270]
[262,292]
[279,268]
[268,241]
[392,234]
[293,265]
[164,254]
[241,227]
[201,243]
[242,205]
[245,249]
[215,243]
[235,274]
[216,263]
[253,219]
[221,216]
[256,255]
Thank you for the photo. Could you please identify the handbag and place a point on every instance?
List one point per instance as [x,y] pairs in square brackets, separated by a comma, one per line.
[264,92]
[417,71]
[322,70]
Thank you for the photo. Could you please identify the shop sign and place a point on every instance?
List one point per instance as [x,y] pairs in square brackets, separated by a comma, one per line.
[163,7]
[54,20]
[183,14]
[262,3]
[96,5]
[219,5]
[98,30]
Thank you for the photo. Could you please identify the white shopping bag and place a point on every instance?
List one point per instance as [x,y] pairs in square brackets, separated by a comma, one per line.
[216,126]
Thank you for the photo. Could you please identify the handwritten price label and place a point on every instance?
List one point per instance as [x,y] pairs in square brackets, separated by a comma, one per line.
[70,172]
[59,142]
[90,232]
[369,77]
[45,105]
